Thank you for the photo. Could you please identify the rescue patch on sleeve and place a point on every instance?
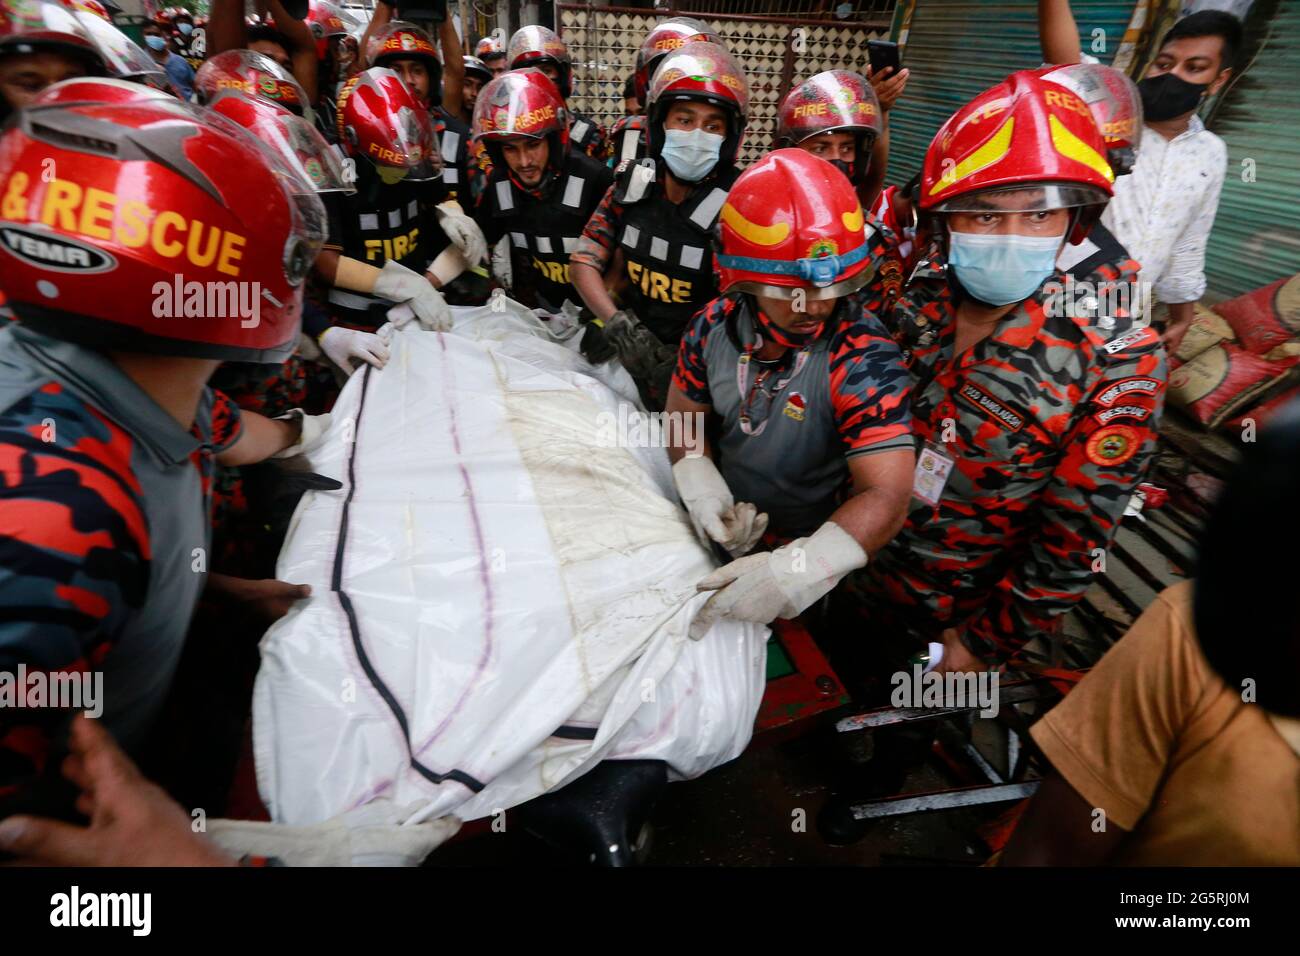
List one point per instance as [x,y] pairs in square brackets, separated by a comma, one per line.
[1143,336]
[1138,412]
[999,412]
[1126,387]
[1113,445]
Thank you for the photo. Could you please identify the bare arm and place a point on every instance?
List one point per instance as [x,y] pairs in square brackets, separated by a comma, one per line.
[1057,830]
[1058,34]
[591,286]
[882,487]
[302,47]
[261,438]
[226,26]
[453,67]
[683,406]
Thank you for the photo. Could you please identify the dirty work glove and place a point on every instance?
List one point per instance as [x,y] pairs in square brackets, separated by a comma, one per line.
[314,428]
[346,347]
[595,346]
[463,232]
[713,511]
[781,583]
[399,284]
[640,351]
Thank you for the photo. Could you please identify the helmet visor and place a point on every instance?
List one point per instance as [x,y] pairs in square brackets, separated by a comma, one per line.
[1025,197]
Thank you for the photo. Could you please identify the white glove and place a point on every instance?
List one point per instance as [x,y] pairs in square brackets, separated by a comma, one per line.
[781,583]
[464,233]
[371,835]
[713,511]
[313,428]
[501,267]
[346,347]
[399,284]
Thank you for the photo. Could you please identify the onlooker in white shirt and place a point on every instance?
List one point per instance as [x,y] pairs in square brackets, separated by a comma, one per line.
[1164,210]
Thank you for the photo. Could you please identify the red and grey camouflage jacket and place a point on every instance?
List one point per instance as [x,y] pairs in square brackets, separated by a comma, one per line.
[1050,423]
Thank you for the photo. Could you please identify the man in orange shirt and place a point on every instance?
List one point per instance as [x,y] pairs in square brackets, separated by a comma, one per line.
[1182,746]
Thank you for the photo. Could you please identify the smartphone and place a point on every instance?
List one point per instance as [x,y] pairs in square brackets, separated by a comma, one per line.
[883,54]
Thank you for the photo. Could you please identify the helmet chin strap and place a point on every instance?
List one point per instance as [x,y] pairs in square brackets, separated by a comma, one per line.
[791,340]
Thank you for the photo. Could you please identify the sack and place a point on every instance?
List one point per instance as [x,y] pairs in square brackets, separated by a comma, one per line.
[1261,413]
[1266,317]
[1207,330]
[1223,381]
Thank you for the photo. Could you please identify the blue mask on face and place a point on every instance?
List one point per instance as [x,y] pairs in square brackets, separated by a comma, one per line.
[1001,269]
[185,28]
[156,43]
[691,154]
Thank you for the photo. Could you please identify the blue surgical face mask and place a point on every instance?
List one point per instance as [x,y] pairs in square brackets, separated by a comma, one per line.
[1001,269]
[155,42]
[691,154]
[185,28]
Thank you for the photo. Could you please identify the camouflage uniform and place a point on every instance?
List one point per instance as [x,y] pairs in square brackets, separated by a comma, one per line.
[1050,423]
[103,506]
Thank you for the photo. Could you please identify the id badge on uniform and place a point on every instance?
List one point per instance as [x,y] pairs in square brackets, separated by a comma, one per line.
[933,467]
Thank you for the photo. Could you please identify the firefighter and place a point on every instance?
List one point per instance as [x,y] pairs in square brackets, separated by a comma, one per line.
[108,422]
[652,233]
[542,192]
[1034,422]
[409,52]
[833,115]
[627,136]
[493,54]
[810,391]
[385,243]
[48,45]
[536,46]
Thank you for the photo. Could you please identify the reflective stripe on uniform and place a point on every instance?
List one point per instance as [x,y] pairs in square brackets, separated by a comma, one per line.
[709,207]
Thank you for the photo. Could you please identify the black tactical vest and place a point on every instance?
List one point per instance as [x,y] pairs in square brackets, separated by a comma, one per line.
[669,251]
[378,223]
[544,231]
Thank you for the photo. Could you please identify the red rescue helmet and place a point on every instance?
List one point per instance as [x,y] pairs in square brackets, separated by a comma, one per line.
[521,103]
[703,73]
[1116,107]
[100,89]
[325,20]
[380,120]
[836,101]
[147,198]
[662,39]
[33,26]
[296,140]
[793,221]
[538,46]
[1025,135]
[400,40]
[254,74]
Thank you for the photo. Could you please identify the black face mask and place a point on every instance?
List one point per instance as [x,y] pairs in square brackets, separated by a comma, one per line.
[1167,96]
[845,168]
